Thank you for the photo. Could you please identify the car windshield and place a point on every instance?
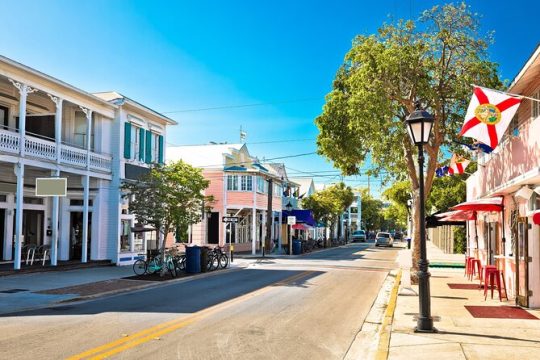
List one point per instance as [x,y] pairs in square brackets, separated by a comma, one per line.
[359,232]
[384,235]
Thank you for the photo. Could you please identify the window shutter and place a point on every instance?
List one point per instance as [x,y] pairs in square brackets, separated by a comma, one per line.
[160,156]
[127,140]
[141,145]
[148,149]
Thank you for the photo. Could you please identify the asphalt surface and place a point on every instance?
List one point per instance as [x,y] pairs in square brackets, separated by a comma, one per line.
[309,307]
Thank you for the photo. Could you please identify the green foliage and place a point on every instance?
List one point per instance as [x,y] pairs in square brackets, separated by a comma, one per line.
[399,193]
[433,61]
[372,211]
[328,204]
[446,192]
[460,243]
[169,197]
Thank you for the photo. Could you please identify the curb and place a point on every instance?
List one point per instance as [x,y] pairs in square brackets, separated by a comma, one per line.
[385,330]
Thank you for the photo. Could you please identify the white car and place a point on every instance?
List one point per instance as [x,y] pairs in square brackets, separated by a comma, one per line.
[384,238]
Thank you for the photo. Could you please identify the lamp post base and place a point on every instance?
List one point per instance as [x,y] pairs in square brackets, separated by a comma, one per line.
[427,329]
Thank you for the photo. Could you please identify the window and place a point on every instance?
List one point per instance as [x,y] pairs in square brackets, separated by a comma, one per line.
[4,117]
[125,235]
[534,202]
[32,200]
[232,182]
[3,198]
[155,147]
[80,131]
[79,202]
[535,105]
[262,185]
[135,143]
[246,183]
[277,190]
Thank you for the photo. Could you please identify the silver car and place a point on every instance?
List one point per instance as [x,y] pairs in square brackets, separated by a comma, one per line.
[384,238]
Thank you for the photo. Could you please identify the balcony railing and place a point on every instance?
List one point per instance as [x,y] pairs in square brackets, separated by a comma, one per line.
[46,150]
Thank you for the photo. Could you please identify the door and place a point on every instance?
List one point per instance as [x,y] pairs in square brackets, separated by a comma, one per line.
[522,264]
[213,228]
[32,227]
[76,233]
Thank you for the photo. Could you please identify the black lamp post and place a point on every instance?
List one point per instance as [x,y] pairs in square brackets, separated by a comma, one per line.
[419,124]
[289,208]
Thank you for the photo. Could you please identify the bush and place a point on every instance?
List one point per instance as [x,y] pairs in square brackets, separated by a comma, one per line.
[460,243]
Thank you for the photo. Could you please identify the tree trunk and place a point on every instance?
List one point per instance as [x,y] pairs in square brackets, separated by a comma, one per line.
[164,268]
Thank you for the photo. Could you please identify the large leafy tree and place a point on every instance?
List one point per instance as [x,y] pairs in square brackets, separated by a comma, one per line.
[432,61]
[328,204]
[168,197]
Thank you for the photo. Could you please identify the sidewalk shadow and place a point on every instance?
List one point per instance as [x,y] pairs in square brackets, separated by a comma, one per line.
[498,337]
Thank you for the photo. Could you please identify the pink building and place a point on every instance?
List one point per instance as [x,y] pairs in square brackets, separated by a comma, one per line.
[239,184]
[510,239]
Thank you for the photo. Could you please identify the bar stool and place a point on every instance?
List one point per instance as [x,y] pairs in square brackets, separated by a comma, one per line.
[493,274]
[476,265]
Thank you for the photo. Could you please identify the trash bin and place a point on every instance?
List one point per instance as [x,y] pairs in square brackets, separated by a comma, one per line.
[408,243]
[193,259]
[296,247]
[204,258]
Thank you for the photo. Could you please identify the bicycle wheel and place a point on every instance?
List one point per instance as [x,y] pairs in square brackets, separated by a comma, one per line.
[210,262]
[215,262]
[153,266]
[171,267]
[223,261]
[181,263]
[139,267]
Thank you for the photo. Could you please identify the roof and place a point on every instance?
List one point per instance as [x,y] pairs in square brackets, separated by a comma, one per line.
[305,184]
[209,155]
[40,74]
[526,71]
[118,99]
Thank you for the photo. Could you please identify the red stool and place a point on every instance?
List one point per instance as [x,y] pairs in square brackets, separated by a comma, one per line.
[492,275]
[476,266]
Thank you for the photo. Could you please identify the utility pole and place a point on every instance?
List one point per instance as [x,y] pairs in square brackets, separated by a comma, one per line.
[269,217]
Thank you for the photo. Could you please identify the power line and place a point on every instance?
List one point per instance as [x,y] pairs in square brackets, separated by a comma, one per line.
[250,143]
[243,105]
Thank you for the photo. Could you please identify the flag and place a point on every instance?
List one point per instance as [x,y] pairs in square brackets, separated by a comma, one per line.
[457,165]
[441,171]
[488,115]
[476,146]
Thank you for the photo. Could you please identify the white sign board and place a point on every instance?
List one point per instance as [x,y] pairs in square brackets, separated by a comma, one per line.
[291,220]
[51,186]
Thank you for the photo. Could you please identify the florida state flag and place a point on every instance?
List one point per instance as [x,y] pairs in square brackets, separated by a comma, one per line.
[488,115]
[457,165]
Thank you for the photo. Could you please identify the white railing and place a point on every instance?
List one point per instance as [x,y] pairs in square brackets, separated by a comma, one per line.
[9,141]
[38,148]
[46,150]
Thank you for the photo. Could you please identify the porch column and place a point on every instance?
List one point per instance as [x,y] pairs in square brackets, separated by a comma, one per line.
[88,114]
[55,224]
[19,171]
[24,90]
[57,125]
[254,232]
[280,232]
[86,196]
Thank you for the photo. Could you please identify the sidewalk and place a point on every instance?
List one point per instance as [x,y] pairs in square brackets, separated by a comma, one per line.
[460,334]
[37,290]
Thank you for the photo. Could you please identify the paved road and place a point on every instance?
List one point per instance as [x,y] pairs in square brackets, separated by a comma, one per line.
[304,308]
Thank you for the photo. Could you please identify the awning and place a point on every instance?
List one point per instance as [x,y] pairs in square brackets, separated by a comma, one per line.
[301,227]
[302,216]
[459,215]
[490,204]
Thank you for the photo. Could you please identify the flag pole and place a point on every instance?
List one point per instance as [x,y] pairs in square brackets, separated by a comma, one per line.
[507,93]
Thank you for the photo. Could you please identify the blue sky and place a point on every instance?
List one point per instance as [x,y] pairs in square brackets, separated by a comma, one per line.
[189,55]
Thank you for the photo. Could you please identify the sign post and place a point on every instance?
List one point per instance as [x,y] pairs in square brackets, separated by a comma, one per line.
[291,220]
[52,187]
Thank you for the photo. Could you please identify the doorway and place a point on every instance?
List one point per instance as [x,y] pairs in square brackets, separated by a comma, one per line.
[213,228]
[32,227]
[76,233]
[522,261]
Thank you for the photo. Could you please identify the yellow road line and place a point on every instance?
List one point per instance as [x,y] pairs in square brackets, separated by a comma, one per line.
[384,333]
[146,335]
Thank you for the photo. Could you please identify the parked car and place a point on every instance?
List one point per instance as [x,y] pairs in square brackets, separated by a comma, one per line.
[359,236]
[398,236]
[384,238]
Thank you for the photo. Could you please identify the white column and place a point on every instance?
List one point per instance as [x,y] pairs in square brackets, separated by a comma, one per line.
[88,114]
[54,224]
[254,232]
[19,171]
[86,196]
[280,241]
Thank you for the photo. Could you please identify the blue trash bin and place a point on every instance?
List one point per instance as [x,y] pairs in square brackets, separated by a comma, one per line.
[296,247]
[193,259]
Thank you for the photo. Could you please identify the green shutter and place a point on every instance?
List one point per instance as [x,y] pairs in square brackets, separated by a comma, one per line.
[160,138]
[141,145]
[127,140]
[148,150]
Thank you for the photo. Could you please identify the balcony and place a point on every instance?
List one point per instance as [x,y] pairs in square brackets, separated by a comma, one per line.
[40,149]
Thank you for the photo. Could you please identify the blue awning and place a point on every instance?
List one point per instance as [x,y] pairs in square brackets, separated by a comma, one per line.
[302,217]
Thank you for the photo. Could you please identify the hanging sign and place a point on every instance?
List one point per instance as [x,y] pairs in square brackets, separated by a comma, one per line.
[51,186]
[291,220]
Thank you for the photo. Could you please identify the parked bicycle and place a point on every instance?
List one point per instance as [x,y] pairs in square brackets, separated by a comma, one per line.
[156,264]
[217,259]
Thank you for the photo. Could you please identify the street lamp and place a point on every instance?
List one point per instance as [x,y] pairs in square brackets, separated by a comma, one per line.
[289,208]
[419,124]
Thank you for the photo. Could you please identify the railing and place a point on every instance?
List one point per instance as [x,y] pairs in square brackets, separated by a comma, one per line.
[46,150]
